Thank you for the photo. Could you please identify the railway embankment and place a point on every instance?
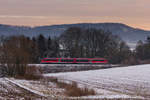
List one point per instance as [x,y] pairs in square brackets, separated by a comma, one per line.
[55,68]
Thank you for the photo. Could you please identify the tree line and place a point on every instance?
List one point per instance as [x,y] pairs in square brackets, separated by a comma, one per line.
[75,42]
[16,52]
[143,50]
[91,43]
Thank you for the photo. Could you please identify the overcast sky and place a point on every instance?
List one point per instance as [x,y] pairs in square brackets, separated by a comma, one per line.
[47,12]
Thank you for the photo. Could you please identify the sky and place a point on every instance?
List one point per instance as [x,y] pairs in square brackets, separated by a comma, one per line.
[49,12]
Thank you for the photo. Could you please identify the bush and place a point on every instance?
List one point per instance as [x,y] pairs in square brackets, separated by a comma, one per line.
[13,70]
[72,89]
[145,61]
[52,79]
[131,61]
[31,73]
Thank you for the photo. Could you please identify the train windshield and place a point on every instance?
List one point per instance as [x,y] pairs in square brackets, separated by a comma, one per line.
[98,60]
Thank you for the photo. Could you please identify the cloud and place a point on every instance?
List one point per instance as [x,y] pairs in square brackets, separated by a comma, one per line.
[70,11]
[23,17]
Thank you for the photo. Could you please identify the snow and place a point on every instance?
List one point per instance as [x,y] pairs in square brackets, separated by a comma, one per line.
[133,80]
[110,97]
[8,90]
[121,82]
[41,88]
[26,88]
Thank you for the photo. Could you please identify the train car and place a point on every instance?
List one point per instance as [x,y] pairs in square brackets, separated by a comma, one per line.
[50,61]
[74,61]
[99,61]
[67,60]
[82,61]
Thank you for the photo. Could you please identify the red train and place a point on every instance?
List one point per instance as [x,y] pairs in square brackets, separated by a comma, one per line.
[74,61]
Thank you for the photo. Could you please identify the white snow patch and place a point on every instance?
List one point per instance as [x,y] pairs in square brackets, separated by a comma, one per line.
[133,79]
[110,97]
[26,88]
[41,88]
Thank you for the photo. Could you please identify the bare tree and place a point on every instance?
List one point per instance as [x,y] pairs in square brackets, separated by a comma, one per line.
[15,55]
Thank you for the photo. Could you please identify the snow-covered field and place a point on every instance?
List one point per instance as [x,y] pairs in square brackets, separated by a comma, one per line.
[123,82]
[132,80]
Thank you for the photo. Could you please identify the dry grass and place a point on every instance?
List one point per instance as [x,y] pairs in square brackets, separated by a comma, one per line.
[72,89]
[31,73]
[107,99]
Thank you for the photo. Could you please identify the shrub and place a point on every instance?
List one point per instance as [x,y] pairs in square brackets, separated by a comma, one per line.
[31,73]
[52,79]
[72,89]
[131,61]
[13,70]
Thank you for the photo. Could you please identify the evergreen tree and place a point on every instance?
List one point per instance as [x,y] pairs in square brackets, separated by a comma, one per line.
[49,47]
[55,49]
[34,51]
[49,43]
[41,42]
[143,50]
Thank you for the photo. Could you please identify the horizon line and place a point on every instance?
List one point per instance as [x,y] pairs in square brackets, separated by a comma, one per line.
[33,26]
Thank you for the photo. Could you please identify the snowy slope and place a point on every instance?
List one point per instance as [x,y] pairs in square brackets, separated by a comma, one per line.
[133,80]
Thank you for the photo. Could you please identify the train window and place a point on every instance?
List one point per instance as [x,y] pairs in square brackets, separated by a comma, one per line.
[97,60]
[82,60]
[50,59]
[67,60]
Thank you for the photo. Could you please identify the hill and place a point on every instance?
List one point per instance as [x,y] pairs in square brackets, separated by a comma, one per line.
[129,34]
